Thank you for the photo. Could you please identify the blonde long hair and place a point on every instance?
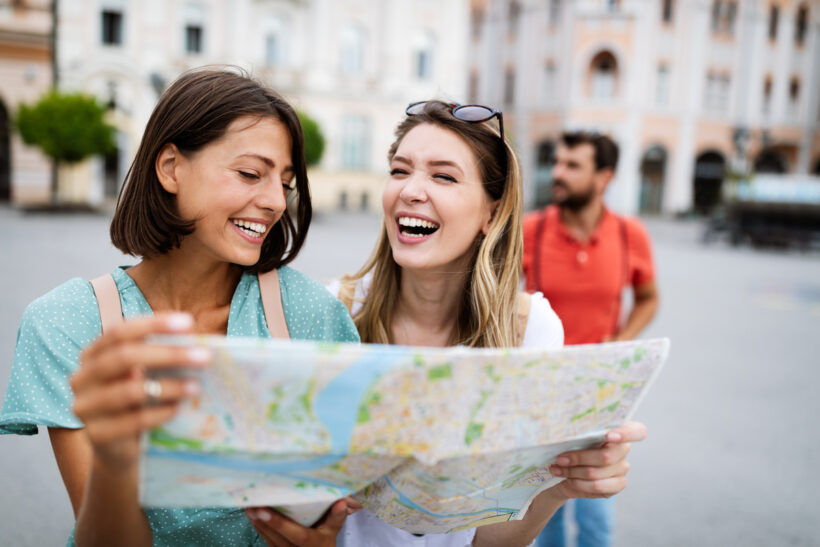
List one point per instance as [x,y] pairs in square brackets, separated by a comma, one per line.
[486,316]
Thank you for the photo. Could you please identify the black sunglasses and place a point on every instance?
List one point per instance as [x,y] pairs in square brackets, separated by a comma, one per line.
[473,113]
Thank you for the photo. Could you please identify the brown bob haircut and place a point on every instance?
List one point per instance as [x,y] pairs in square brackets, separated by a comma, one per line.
[193,112]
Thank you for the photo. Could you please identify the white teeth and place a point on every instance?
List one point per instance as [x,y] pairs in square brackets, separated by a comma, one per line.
[254,229]
[412,222]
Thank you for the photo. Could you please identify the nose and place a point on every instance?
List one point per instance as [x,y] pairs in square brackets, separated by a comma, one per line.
[272,196]
[414,189]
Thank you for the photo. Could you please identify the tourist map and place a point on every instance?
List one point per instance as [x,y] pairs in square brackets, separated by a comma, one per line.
[430,440]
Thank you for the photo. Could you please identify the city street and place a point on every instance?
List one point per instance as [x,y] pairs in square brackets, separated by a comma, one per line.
[732,444]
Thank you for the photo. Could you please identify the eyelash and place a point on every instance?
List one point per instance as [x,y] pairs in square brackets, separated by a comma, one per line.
[448,178]
[246,175]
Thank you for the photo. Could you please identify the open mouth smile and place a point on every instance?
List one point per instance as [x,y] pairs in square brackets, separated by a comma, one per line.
[415,228]
[253,230]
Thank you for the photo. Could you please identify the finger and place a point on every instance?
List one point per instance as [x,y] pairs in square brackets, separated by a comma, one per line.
[118,361]
[117,397]
[353,505]
[137,329]
[599,457]
[103,430]
[271,537]
[290,531]
[619,468]
[630,432]
[604,488]
[334,520]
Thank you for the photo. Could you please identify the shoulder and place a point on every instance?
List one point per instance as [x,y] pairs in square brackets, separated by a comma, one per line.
[68,307]
[531,219]
[544,328]
[309,303]
[634,227]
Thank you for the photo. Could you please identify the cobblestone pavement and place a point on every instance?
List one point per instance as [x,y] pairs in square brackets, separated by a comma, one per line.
[732,450]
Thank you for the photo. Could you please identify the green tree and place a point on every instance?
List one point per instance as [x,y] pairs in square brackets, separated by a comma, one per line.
[314,139]
[67,127]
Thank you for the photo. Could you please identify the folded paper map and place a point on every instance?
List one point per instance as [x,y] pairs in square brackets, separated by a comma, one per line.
[430,440]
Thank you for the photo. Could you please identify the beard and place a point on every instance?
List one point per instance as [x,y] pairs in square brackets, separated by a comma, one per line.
[573,201]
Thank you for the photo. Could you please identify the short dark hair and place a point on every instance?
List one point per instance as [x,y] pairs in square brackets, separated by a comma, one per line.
[606,150]
[193,112]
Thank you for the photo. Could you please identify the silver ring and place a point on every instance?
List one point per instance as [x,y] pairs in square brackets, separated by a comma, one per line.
[153,390]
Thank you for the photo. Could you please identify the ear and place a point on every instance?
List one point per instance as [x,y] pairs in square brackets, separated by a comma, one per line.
[167,168]
[603,178]
[489,220]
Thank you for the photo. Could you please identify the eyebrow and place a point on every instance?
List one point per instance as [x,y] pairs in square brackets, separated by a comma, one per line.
[267,161]
[433,163]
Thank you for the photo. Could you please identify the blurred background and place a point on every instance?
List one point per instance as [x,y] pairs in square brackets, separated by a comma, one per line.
[714,103]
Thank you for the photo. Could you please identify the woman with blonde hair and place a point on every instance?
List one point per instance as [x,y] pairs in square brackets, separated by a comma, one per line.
[445,272]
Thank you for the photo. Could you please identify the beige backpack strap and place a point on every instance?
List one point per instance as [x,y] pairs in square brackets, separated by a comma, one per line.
[108,300]
[271,295]
[347,292]
[522,316]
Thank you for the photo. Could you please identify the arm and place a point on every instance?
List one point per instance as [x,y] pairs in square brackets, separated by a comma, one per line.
[643,310]
[594,473]
[100,463]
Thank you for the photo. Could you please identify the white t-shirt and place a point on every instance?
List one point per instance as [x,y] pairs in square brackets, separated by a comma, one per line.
[363,528]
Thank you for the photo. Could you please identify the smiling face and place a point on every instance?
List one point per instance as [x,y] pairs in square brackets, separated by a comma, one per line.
[234,188]
[435,205]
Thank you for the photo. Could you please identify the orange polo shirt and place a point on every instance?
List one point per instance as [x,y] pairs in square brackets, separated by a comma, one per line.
[584,281]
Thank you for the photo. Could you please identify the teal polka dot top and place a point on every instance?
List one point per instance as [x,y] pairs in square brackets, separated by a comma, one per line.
[57,326]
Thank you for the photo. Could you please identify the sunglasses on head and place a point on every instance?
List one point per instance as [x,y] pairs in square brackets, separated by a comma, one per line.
[473,113]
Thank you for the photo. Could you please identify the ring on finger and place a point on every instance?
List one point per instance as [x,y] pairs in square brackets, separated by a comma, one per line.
[153,391]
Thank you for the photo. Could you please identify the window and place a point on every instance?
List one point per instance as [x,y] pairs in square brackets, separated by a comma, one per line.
[513,15]
[767,95]
[774,15]
[472,93]
[355,142]
[724,13]
[509,86]
[111,27]
[716,99]
[604,70]
[555,11]
[794,97]
[612,5]
[476,22]
[276,42]
[193,39]
[549,83]
[800,22]
[662,86]
[424,46]
[352,50]
[666,11]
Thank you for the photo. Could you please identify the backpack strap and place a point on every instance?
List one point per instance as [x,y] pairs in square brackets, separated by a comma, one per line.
[536,284]
[108,300]
[271,295]
[522,316]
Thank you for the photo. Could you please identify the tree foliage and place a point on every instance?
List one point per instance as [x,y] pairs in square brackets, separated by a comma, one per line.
[314,139]
[67,127]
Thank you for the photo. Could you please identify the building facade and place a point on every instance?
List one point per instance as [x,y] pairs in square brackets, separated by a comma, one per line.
[696,92]
[353,65]
[25,74]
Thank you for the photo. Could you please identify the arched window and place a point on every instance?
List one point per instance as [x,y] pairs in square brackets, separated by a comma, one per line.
[423,55]
[710,168]
[770,161]
[800,24]
[653,174]
[604,75]
[352,49]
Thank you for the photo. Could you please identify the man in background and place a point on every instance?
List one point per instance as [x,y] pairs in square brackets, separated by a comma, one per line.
[582,256]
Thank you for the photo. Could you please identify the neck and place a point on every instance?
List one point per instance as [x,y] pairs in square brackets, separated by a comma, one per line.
[582,222]
[426,313]
[181,282]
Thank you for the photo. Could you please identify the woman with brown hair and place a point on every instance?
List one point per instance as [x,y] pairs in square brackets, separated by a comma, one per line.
[445,272]
[216,204]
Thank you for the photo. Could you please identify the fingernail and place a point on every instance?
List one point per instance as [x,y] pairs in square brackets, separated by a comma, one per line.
[350,510]
[179,321]
[556,471]
[613,437]
[191,388]
[199,355]
[263,515]
[562,461]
